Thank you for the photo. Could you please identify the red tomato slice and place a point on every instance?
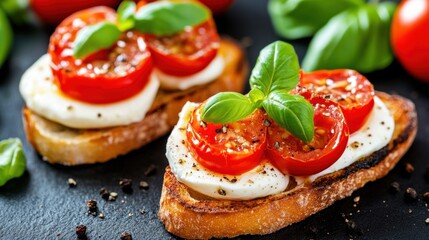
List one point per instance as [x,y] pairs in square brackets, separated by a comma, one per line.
[350,89]
[295,157]
[109,75]
[232,148]
[187,52]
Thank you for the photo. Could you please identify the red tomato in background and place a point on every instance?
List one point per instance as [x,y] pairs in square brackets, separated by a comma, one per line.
[232,148]
[217,6]
[410,37]
[293,156]
[106,76]
[52,12]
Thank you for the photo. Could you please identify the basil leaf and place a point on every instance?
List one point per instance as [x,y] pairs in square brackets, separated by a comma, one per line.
[126,15]
[166,18]
[92,38]
[291,112]
[357,39]
[277,68]
[227,107]
[302,18]
[12,160]
[256,96]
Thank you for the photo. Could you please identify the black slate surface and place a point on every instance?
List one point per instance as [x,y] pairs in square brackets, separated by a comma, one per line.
[40,205]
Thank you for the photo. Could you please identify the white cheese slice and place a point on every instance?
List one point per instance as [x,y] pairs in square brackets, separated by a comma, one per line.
[208,74]
[43,97]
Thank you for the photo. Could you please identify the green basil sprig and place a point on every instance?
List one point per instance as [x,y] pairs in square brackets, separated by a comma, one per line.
[276,72]
[357,38]
[12,160]
[161,18]
[294,19]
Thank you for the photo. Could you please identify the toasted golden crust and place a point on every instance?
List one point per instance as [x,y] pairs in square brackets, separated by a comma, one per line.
[188,215]
[68,146]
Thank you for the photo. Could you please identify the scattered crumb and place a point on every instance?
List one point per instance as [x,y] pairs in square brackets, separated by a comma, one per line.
[356,199]
[126,236]
[71,182]
[410,195]
[81,231]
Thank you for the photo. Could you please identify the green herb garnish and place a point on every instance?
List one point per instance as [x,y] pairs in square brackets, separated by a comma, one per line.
[276,73]
[12,160]
[158,18]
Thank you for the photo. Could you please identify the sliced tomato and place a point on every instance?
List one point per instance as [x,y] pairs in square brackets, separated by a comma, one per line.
[187,52]
[295,157]
[350,89]
[106,76]
[232,148]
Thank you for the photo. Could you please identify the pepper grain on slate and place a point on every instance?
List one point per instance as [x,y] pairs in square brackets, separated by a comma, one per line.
[410,195]
[126,236]
[81,231]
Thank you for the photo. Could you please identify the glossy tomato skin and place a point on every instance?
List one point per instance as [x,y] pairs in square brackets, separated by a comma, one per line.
[232,148]
[410,38]
[352,90]
[295,157]
[52,12]
[107,76]
[187,52]
[217,6]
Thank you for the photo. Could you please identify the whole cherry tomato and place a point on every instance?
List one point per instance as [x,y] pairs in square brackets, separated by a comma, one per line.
[410,38]
[232,148]
[52,12]
[106,76]
[293,156]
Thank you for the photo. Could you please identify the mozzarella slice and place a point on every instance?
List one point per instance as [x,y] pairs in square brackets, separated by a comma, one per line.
[43,97]
[373,135]
[261,181]
[208,74]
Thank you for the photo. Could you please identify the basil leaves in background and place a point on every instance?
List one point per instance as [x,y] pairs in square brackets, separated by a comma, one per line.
[12,160]
[5,37]
[276,73]
[159,18]
[357,37]
[295,19]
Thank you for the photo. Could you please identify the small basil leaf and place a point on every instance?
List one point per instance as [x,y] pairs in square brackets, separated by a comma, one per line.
[302,18]
[291,112]
[356,38]
[256,96]
[126,15]
[166,18]
[277,68]
[92,38]
[227,107]
[12,160]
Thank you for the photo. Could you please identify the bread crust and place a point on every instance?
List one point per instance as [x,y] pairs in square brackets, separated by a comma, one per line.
[68,146]
[182,212]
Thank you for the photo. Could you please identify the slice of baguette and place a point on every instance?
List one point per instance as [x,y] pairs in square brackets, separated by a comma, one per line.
[190,215]
[63,145]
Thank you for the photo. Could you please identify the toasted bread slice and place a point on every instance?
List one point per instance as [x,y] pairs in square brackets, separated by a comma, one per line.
[68,146]
[190,215]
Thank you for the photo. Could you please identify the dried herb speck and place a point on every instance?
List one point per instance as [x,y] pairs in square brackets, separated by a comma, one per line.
[126,185]
[395,187]
[150,170]
[126,236]
[104,193]
[410,195]
[81,231]
[144,185]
